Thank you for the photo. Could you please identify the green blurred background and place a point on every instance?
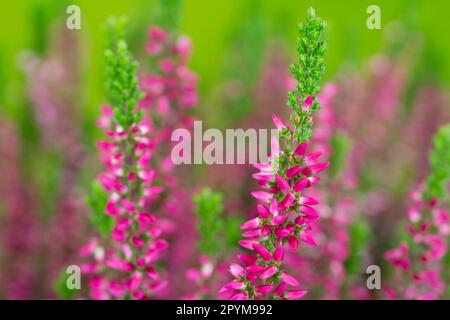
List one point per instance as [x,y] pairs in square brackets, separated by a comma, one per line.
[230,39]
[214,26]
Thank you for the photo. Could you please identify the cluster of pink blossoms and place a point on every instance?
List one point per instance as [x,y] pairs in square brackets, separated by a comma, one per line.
[325,266]
[200,277]
[204,280]
[175,86]
[127,267]
[133,159]
[55,110]
[170,89]
[20,228]
[285,215]
[418,264]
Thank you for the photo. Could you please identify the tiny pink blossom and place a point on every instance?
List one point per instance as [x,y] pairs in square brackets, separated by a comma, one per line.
[279,124]
[270,271]
[263,252]
[289,279]
[295,294]
[250,224]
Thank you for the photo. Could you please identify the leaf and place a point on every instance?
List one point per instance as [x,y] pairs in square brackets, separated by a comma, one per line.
[340,147]
[210,223]
[439,176]
[97,200]
[359,239]
[61,289]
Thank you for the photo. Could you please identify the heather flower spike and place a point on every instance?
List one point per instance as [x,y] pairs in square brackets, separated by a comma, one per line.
[210,222]
[308,72]
[124,267]
[285,215]
[121,76]
[418,259]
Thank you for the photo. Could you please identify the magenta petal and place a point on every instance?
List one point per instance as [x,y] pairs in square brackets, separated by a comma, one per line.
[236,270]
[274,206]
[266,167]
[295,294]
[289,279]
[250,224]
[308,200]
[278,219]
[270,271]
[279,291]
[266,230]
[287,202]
[308,101]
[282,232]
[319,167]
[312,157]
[248,244]
[262,176]
[255,269]
[279,124]
[275,147]
[293,242]
[282,183]
[261,196]
[263,252]
[292,172]
[235,285]
[302,184]
[252,233]
[263,211]
[312,180]
[263,289]
[247,258]
[239,296]
[307,238]
[311,212]
[278,254]
[301,149]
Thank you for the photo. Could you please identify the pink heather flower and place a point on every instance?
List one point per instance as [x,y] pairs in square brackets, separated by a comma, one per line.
[262,196]
[263,252]
[203,277]
[307,238]
[236,270]
[278,254]
[420,265]
[250,224]
[267,273]
[127,265]
[308,102]
[20,228]
[248,244]
[284,212]
[293,242]
[275,218]
[289,280]
[239,296]
[58,121]
[263,211]
[295,294]
[263,289]
[279,124]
